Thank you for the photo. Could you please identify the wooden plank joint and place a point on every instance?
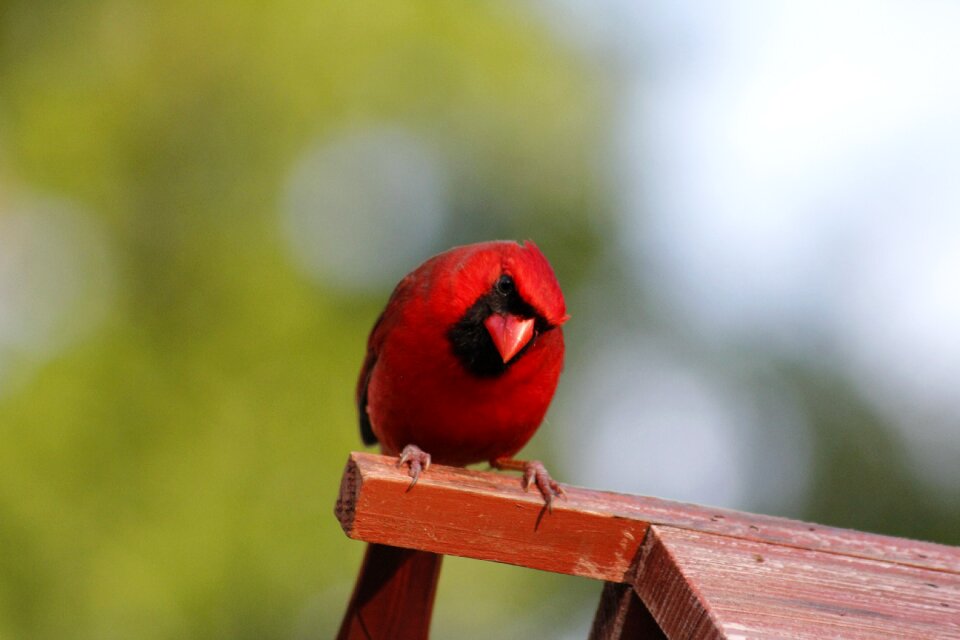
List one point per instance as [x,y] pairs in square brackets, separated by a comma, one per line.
[699,572]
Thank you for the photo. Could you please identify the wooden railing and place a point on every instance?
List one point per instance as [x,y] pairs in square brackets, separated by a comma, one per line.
[671,570]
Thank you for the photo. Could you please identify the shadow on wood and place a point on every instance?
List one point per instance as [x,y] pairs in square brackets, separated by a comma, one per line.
[621,615]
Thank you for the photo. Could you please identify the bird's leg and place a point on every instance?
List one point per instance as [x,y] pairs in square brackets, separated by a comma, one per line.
[417,458]
[533,473]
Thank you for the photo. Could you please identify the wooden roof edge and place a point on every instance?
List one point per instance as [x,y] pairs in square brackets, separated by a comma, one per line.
[375,505]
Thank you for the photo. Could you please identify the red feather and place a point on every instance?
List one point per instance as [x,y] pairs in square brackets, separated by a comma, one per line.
[412,388]
[454,367]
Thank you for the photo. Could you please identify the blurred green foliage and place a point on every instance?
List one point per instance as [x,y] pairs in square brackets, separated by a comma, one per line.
[173,475]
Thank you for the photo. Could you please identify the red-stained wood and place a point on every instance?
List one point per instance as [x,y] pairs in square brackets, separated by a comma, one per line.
[481,515]
[621,615]
[595,534]
[699,572]
[700,585]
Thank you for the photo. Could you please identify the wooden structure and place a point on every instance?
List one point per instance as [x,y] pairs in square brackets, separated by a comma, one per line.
[671,570]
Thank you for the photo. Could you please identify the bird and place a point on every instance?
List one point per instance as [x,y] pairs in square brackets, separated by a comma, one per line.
[460,368]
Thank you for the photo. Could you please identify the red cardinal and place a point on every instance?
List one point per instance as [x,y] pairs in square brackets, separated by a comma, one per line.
[460,368]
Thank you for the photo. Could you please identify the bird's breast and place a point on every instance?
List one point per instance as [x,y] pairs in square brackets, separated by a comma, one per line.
[426,397]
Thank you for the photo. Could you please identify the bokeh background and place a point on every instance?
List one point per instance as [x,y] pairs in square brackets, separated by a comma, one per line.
[753,208]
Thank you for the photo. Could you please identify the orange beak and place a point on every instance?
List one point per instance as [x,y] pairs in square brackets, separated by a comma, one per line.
[510,333]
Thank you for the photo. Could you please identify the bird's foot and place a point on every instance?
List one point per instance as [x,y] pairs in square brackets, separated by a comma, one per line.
[417,458]
[534,473]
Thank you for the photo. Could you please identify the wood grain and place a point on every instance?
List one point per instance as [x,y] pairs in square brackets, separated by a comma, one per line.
[595,534]
[486,516]
[621,615]
[699,572]
[700,585]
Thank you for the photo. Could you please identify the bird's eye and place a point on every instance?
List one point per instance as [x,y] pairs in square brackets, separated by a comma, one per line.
[504,285]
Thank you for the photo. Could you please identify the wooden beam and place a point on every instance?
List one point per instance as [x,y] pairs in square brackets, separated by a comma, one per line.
[621,615]
[673,570]
[701,585]
[594,534]
[480,515]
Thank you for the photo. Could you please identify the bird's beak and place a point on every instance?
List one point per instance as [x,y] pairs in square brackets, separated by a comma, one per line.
[510,333]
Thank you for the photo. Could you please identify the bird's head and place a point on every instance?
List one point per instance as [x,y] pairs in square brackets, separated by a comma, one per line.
[504,296]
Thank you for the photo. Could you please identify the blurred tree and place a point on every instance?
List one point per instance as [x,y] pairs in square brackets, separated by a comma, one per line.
[173,475]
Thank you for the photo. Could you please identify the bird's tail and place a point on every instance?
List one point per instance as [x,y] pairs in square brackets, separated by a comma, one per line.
[393,597]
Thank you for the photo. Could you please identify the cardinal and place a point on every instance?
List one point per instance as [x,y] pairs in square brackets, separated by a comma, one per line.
[460,368]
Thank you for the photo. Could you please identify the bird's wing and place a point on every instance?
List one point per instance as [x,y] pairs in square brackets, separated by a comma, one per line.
[381,329]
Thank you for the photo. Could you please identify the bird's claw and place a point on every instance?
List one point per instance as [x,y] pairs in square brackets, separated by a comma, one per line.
[417,458]
[534,473]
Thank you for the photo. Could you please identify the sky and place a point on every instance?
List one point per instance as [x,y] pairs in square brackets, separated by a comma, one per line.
[787,174]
